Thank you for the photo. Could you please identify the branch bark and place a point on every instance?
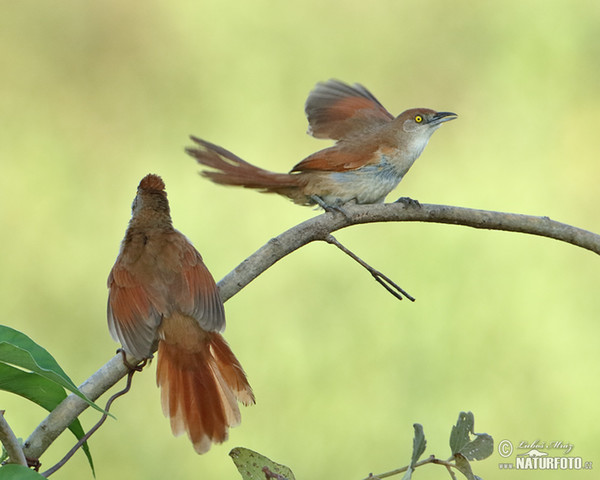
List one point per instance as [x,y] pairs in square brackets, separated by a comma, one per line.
[72,406]
[10,443]
[314,229]
[318,228]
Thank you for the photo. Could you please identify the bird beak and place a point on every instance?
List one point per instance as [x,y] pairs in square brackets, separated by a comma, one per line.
[441,117]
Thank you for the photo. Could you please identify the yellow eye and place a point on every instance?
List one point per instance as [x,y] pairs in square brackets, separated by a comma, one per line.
[418,119]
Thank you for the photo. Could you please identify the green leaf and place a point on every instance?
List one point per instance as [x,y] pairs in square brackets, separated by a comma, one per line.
[480,448]
[250,464]
[419,444]
[459,436]
[464,466]
[19,350]
[46,393]
[460,440]
[408,474]
[18,472]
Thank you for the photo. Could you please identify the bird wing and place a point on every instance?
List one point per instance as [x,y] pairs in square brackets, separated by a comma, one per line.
[340,158]
[133,312]
[197,295]
[168,277]
[336,110]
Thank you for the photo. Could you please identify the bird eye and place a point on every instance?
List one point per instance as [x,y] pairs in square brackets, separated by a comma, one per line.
[418,119]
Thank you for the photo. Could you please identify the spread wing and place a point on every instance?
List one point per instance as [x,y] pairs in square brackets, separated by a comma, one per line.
[133,312]
[172,277]
[198,295]
[336,110]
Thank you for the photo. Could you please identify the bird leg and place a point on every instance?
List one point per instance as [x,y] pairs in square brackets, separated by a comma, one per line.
[329,208]
[138,366]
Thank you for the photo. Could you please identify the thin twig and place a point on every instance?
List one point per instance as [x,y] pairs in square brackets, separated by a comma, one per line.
[382,279]
[10,442]
[72,406]
[430,459]
[82,440]
[451,472]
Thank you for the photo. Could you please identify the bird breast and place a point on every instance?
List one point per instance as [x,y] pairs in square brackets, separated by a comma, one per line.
[367,184]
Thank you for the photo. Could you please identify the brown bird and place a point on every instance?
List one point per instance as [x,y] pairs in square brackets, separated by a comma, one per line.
[161,296]
[373,150]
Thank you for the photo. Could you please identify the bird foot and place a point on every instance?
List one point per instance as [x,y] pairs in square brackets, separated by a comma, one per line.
[329,208]
[34,463]
[138,366]
[409,202]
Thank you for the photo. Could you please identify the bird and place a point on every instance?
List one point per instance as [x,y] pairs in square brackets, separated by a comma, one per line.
[163,298]
[372,153]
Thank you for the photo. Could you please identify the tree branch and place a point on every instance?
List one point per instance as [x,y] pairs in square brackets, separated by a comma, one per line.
[72,406]
[317,228]
[90,432]
[10,443]
[430,459]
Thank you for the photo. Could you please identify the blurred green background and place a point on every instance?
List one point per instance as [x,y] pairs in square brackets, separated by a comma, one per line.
[94,95]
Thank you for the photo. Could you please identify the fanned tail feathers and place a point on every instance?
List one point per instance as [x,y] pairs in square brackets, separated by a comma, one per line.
[229,169]
[200,390]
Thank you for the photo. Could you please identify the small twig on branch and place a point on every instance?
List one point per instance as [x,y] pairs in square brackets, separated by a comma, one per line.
[451,472]
[317,228]
[430,459]
[82,440]
[382,279]
[72,406]
[10,442]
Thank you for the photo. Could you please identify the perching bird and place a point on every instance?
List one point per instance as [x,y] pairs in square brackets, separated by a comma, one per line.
[162,296]
[373,150]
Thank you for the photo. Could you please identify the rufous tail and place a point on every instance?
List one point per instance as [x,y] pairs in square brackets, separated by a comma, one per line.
[229,169]
[200,390]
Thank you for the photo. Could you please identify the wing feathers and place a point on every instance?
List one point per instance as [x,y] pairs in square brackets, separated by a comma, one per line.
[163,280]
[200,296]
[338,159]
[132,316]
[337,110]
[200,388]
